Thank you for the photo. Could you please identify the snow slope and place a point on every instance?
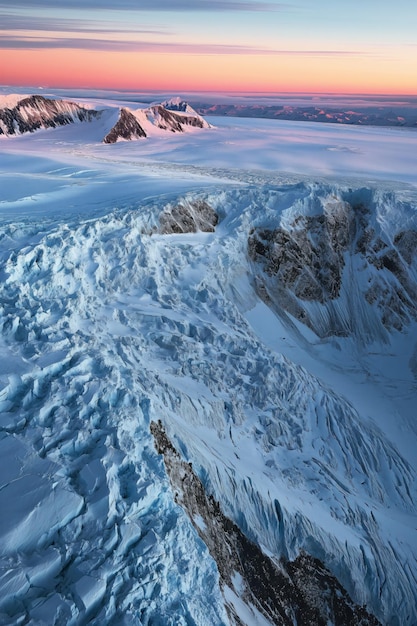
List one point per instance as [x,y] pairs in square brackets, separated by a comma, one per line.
[109,324]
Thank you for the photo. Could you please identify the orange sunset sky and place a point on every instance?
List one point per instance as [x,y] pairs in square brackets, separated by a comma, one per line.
[211,45]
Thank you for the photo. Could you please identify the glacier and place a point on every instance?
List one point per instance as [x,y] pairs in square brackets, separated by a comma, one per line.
[147,352]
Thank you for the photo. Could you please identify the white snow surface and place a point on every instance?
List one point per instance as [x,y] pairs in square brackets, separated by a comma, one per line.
[307,444]
[9,101]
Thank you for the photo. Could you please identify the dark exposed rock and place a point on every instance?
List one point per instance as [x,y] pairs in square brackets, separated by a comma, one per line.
[127,127]
[309,259]
[176,105]
[188,217]
[35,112]
[305,262]
[406,243]
[301,592]
[167,119]
[171,120]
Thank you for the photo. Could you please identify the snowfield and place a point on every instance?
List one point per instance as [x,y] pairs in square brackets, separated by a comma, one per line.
[296,412]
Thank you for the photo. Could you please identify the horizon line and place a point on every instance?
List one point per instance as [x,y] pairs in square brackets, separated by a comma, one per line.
[232,92]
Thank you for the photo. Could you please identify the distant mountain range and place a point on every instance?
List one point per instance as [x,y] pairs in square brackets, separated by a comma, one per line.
[27,114]
[369,116]
[31,113]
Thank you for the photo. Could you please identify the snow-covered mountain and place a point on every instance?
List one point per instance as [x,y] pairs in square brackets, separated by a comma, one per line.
[31,113]
[20,115]
[207,376]
[397,115]
[178,104]
[134,124]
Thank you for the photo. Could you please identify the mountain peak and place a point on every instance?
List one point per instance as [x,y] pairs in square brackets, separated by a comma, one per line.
[27,113]
[177,104]
[33,112]
[127,127]
[140,123]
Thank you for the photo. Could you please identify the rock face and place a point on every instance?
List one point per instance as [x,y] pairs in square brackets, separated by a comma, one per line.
[176,104]
[299,592]
[127,127]
[36,112]
[305,267]
[176,120]
[139,124]
[188,217]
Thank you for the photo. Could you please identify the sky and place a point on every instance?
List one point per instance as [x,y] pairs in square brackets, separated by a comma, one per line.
[332,46]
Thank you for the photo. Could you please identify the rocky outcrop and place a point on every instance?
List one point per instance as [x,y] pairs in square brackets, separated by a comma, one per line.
[176,120]
[324,269]
[138,124]
[188,217]
[406,244]
[176,104]
[285,592]
[127,127]
[36,112]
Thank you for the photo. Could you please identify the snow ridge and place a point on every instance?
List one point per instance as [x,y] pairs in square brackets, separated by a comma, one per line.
[253,584]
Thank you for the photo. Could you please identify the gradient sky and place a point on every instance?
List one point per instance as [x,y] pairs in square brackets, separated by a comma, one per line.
[360,46]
